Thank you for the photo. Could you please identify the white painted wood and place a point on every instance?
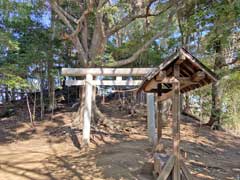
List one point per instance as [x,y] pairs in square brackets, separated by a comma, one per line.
[104,82]
[106,71]
[151,116]
[75,82]
[119,78]
[87,110]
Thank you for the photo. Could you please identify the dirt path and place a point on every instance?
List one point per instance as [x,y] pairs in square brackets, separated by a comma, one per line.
[209,155]
[122,152]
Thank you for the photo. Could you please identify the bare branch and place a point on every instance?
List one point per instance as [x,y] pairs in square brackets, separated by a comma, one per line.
[61,15]
[69,16]
[82,18]
[127,20]
[234,61]
[137,53]
[143,48]
[73,37]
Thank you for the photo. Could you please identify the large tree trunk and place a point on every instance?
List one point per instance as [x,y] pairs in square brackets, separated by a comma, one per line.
[216,89]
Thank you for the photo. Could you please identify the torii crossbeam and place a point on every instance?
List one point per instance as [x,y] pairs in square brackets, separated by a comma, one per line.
[89,82]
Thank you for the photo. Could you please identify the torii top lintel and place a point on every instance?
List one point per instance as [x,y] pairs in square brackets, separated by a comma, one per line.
[107,71]
[193,74]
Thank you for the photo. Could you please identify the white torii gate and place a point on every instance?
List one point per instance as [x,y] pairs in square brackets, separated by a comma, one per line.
[89,82]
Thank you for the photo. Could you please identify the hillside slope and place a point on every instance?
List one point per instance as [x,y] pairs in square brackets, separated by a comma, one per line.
[119,150]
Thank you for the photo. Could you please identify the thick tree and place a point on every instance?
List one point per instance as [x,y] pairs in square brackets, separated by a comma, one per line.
[90,24]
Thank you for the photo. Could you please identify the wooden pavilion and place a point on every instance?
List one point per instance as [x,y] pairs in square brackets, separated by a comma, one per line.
[178,74]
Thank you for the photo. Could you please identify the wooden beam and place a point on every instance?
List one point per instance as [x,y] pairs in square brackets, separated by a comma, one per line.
[151,117]
[161,75]
[176,124]
[169,70]
[167,168]
[104,82]
[198,76]
[118,82]
[119,78]
[165,96]
[163,90]
[184,80]
[152,84]
[106,71]
[75,82]
[181,59]
[168,80]
[159,114]
[185,170]
[87,110]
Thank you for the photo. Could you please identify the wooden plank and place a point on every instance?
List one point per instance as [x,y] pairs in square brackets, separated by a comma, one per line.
[104,82]
[185,80]
[181,59]
[168,80]
[159,114]
[152,84]
[171,80]
[151,116]
[198,76]
[106,71]
[185,170]
[163,90]
[75,82]
[87,110]
[184,85]
[165,96]
[161,75]
[176,124]
[167,168]
[119,78]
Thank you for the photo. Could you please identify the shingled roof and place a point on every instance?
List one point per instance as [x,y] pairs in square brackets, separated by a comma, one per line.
[190,68]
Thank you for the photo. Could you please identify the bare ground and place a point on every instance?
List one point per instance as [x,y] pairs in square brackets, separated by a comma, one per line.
[120,151]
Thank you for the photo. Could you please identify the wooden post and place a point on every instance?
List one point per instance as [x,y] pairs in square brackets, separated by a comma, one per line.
[151,116]
[87,110]
[159,116]
[176,124]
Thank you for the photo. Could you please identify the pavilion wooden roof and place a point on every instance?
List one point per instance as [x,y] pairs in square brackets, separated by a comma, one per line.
[193,74]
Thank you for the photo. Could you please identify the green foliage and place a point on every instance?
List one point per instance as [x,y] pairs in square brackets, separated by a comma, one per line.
[231,101]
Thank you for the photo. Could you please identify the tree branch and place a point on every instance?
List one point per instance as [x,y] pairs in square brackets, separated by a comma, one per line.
[97,46]
[69,16]
[230,63]
[82,18]
[61,15]
[73,37]
[142,49]
[127,20]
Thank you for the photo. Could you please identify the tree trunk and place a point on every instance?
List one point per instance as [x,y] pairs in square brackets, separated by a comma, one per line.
[51,87]
[6,94]
[51,84]
[216,104]
[216,89]
[41,91]
[13,94]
